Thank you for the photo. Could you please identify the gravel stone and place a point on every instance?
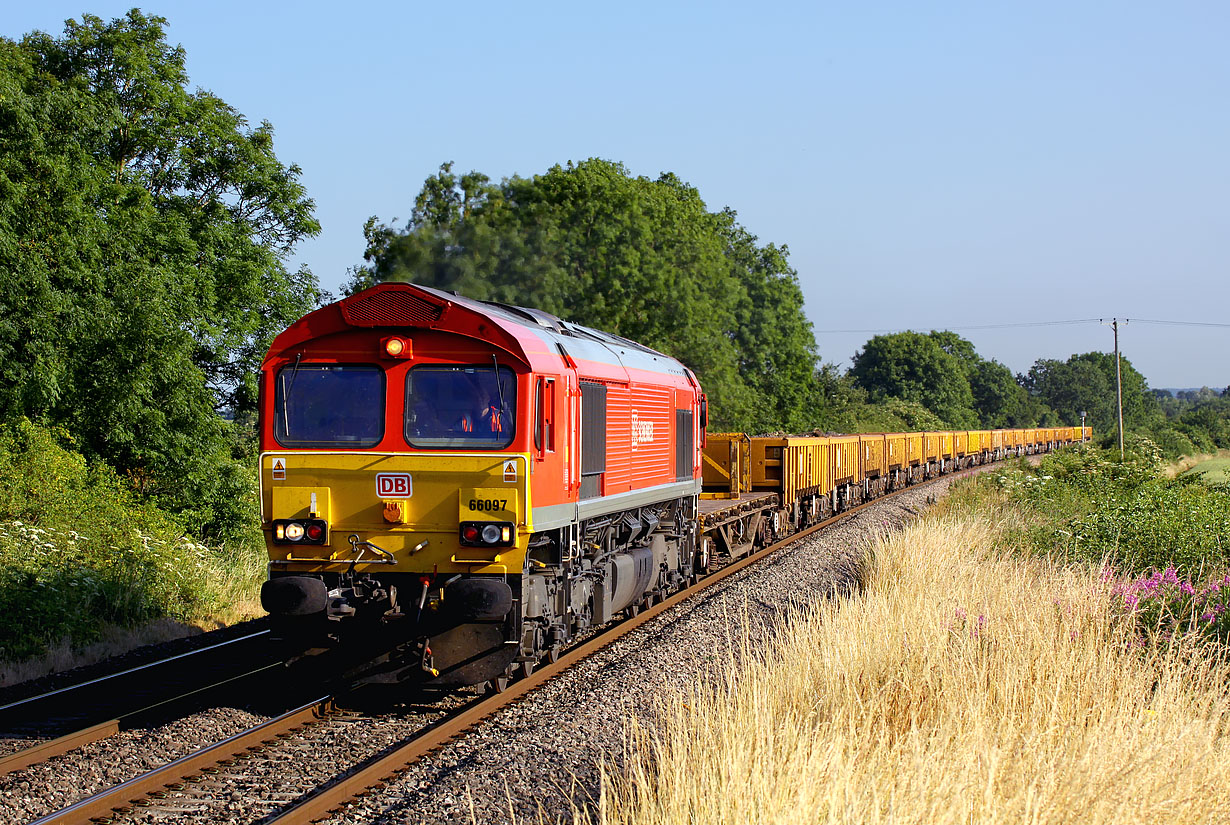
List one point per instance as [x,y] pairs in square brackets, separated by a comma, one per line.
[42,789]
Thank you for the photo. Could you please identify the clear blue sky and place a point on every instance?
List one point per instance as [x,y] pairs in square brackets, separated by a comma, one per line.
[928,164]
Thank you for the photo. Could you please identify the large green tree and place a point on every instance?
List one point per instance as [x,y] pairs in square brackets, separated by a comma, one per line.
[1086,383]
[927,369]
[640,257]
[144,229]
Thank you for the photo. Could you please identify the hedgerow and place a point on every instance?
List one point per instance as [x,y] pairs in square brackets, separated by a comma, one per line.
[80,549]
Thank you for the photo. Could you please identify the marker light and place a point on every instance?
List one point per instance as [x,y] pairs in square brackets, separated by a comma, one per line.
[469,533]
[314,531]
[396,347]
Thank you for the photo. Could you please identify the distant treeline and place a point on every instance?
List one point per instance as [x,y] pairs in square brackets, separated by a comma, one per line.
[646,259]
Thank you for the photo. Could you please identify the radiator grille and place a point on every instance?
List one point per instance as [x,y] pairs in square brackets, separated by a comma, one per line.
[593,438]
[394,308]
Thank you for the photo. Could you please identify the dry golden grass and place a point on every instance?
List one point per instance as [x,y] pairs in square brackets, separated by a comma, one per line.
[962,686]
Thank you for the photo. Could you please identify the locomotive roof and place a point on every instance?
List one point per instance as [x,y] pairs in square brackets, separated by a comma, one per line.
[400,305]
[537,319]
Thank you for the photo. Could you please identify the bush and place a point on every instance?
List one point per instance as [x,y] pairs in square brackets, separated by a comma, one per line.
[1085,505]
[79,549]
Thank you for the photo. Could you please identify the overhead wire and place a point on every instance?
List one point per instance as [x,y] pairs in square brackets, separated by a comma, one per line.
[969,326]
[1019,324]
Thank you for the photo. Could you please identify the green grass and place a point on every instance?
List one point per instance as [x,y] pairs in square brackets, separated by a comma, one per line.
[1212,472]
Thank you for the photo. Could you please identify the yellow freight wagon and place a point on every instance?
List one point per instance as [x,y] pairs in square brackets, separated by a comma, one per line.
[914,448]
[898,453]
[806,470]
[874,450]
[844,464]
[946,445]
[726,465]
[875,455]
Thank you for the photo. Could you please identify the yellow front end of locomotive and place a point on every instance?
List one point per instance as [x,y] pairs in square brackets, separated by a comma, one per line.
[401,512]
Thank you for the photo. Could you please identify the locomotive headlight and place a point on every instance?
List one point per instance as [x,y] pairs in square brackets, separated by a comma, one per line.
[487,534]
[301,531]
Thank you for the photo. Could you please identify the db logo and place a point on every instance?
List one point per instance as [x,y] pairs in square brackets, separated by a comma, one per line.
[394,485]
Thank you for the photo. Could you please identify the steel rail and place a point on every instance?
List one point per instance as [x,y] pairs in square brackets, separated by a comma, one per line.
[119,798]
[70,741]
[110,676]
[59,746]
[381,769]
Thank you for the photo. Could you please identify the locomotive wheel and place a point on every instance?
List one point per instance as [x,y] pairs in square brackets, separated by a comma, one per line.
[525,669]
[552,654]
[498,685]
[633,609]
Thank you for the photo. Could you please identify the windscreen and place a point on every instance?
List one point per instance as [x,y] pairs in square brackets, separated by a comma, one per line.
[329,405]
[460,407]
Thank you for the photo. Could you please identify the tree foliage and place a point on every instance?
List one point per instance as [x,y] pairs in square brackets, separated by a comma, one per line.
[1087,383]
[925,369]
[643,258]
[143,233]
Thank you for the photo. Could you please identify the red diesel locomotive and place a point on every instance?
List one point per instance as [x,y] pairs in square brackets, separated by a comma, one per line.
[462,487]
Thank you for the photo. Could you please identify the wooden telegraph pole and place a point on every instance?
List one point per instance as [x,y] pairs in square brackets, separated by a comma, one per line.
[1114,325]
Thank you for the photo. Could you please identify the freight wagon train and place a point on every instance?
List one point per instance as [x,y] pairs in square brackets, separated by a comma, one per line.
[455,490]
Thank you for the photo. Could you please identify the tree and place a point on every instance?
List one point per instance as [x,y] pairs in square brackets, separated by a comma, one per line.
[1087,383]
[143,233]
[642,258]
[916,367]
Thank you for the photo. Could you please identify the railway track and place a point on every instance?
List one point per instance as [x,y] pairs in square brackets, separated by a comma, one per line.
[98,708]
[284,739]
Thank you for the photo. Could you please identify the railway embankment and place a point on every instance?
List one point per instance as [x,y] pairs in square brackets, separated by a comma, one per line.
[1046,645]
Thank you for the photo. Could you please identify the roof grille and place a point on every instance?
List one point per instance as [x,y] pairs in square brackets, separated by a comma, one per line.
[392,308]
